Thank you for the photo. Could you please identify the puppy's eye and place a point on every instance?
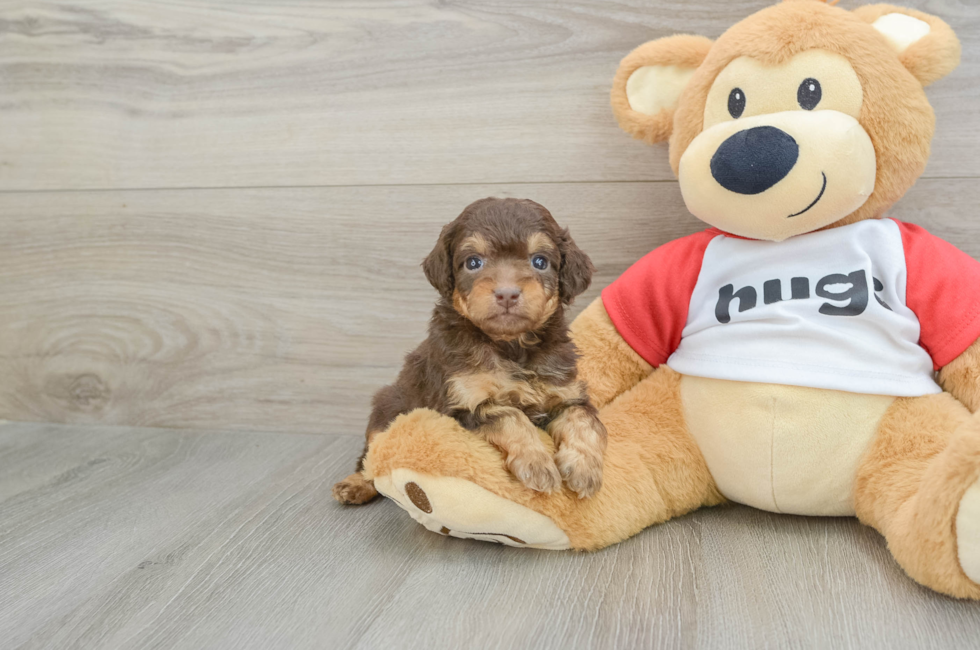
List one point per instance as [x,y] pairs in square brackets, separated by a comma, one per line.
[809,94]
[736,103]
[473,263]
[540,262]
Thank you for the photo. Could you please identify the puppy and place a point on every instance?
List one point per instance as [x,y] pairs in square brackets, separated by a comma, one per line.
[498,357]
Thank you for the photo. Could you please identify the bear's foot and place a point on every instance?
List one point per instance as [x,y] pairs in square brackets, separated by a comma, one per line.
[968,533]
[459,508]
[461,486]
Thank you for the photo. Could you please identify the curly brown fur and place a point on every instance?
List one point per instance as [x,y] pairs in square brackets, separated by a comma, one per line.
[498,357]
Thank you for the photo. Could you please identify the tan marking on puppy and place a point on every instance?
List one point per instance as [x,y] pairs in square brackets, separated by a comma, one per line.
[516,392]
[524,454]
[479,304]
[538,242]
[354,490]
[500,386]
[552,397]
[469,391]
[476,244]
[540,304]
[528,340]
[475,296]
[459,303]
[581,441]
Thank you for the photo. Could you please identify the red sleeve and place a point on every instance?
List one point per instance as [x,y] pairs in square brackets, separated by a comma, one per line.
[943,290]
[649,303]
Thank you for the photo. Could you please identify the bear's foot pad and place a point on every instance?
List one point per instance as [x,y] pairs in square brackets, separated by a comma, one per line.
[459,508]
[968,533]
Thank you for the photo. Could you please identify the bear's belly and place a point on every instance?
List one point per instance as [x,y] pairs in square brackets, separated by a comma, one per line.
[782,448]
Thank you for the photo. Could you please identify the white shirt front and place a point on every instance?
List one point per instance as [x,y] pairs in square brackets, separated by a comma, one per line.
[824,310]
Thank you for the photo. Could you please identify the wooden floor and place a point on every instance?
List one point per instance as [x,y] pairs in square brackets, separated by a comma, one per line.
[113,537]
[212,214]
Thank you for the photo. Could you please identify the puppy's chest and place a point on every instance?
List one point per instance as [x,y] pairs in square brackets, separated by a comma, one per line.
[505,386]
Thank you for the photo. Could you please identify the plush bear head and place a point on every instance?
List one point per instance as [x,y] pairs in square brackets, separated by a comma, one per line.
[802,116]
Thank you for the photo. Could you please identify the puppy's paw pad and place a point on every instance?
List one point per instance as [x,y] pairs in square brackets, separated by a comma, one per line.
[354,490]
[582,472]
[536,471]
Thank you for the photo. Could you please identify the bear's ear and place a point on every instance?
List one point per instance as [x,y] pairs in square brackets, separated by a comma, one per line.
[649,83]
[925,45]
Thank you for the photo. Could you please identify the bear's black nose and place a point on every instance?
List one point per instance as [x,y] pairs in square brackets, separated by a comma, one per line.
[753,160]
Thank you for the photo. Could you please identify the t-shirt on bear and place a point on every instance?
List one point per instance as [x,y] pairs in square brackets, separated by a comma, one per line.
[874,307]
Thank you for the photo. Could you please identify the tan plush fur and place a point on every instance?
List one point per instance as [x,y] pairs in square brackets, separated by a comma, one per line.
[910,482]
[608,365]
[929,59]
[646,430]
[961,378]
[683,51]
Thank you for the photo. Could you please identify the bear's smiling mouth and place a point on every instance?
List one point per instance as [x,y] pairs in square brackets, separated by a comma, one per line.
[822,189]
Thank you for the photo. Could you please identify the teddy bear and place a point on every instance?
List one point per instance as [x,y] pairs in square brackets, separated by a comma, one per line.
[805,353]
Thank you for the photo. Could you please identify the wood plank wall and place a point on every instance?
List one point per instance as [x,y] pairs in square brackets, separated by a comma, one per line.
[212,212]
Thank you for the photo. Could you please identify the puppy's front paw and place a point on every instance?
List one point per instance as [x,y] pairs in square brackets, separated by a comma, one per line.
[536,470]
[581,439]
[354,490]
[581,468]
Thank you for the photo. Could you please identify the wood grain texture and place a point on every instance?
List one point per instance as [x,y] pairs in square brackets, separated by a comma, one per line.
[142,538]
[260,309]
[276,309]
[220,93]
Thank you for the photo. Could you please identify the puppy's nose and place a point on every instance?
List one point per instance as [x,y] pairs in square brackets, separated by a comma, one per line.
[753,160]
[507,296]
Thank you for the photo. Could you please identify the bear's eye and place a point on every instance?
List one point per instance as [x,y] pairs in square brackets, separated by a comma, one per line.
[473,263]
[540,262]
[736,103]
[809,94]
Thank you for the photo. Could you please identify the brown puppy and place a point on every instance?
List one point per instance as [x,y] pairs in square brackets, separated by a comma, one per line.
[498,357]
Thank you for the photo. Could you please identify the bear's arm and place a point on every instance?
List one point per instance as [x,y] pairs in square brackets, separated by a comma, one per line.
[961,377]
[607,364]
[639,320]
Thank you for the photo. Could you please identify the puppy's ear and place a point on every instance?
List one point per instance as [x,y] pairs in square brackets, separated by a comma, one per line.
[575,274]
[649,83]
[438,265]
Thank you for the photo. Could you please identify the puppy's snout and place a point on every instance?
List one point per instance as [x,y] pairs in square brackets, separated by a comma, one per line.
[753,160]
[507,297]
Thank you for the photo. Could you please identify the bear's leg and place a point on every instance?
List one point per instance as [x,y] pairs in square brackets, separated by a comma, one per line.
[918,486]
[453,481]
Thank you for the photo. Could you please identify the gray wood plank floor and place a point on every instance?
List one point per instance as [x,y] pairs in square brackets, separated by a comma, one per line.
[154,538]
